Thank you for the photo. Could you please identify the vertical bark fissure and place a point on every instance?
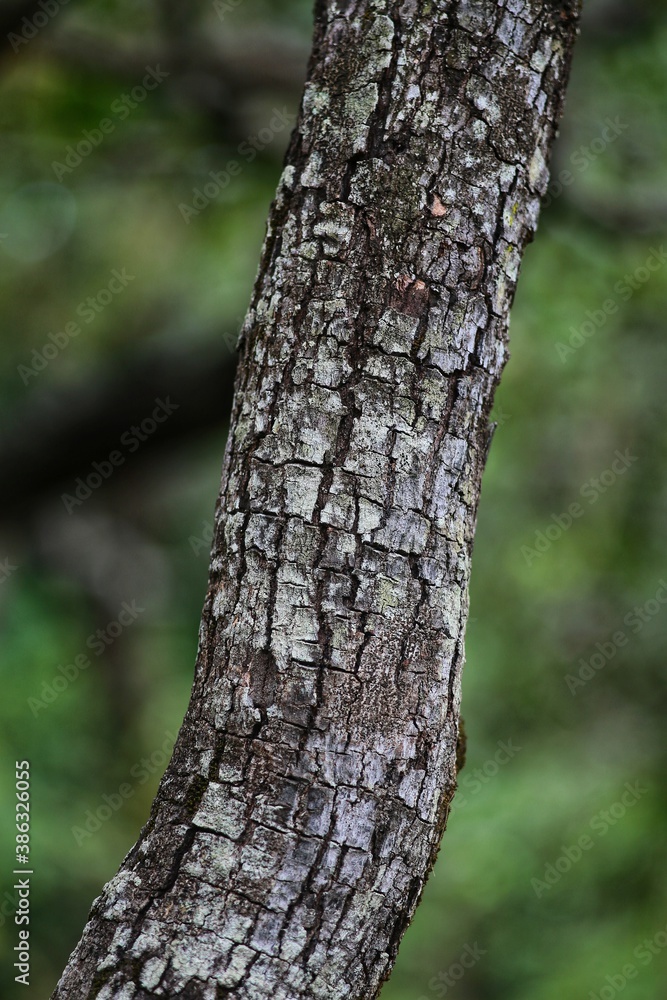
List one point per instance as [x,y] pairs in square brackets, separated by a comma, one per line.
[304,804]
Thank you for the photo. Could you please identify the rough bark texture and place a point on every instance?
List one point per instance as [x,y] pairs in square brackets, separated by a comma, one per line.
[302,810]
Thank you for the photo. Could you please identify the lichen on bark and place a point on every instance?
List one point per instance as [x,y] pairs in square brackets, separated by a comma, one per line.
[308,791]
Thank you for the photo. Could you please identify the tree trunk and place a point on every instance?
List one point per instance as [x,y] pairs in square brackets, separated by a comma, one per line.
[301,813]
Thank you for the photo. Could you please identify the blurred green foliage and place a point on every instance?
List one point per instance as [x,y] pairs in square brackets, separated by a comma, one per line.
[537,616]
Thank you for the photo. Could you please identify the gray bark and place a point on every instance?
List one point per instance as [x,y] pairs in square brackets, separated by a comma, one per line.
[301,813]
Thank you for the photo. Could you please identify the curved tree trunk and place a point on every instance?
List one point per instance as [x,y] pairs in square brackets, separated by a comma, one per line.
[303,808]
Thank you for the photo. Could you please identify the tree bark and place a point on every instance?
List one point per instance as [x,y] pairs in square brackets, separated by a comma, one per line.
[301,813]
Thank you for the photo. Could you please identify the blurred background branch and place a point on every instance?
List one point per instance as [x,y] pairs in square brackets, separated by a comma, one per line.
[53,435]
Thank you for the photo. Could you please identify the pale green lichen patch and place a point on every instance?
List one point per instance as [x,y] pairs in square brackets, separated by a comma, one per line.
[220,812]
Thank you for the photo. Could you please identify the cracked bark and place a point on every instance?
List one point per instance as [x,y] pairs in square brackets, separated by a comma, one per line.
[303,808]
